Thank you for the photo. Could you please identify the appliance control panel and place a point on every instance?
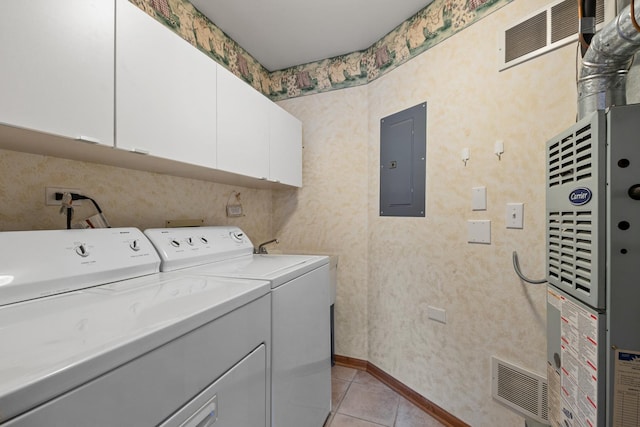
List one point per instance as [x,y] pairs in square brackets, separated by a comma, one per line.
[48,262]
[188,247]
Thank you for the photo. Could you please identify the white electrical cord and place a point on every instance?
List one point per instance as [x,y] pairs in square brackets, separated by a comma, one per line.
[66,208]
[516,267]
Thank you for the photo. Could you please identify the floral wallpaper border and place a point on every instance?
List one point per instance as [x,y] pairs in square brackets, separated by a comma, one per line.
[436,22]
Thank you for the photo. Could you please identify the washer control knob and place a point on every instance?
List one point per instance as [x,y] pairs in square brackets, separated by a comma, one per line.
[135,245]
[82,250]
[204,240]
[175,243]
[190,241]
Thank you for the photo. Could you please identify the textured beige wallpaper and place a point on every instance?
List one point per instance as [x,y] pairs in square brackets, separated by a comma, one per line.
[413,263]
[128,198]
[329,214]
[416,263]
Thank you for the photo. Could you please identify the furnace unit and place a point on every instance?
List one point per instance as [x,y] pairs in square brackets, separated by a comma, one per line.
[593,269]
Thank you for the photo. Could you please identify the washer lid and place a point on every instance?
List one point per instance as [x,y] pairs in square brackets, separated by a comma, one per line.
[278,269]
[51,345]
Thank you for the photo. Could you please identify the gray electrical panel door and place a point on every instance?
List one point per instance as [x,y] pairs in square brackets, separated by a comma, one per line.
[403,153]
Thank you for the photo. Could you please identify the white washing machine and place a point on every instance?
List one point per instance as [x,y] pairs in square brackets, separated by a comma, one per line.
[300,323]
[93,335]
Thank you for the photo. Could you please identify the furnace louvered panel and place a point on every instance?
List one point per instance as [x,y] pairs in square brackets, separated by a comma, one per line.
[570,158]
[570,249]
[575,210]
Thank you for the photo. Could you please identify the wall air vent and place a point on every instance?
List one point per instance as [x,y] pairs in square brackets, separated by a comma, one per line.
[520,390]
[543,31]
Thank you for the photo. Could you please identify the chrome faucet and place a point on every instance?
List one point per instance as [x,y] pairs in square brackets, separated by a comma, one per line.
[262,248]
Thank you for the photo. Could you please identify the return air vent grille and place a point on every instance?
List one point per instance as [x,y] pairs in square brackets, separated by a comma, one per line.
[528,36]
[564,20]
[543,31]
[520,390]
[570,159]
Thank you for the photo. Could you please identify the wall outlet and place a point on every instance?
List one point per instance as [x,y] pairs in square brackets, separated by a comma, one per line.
[437,314]
[234,210]
[50,195]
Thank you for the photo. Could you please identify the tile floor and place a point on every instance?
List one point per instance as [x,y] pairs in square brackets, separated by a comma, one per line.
[359,400]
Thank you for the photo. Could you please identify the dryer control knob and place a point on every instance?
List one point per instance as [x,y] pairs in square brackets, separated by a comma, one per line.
[175,243]
[190,241]
[237,236]
[135,245]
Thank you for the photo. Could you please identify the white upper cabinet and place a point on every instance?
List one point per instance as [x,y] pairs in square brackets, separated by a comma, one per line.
[165,91]
[285,147]
[256,137]
[103,71]
[243,127]
[56,71]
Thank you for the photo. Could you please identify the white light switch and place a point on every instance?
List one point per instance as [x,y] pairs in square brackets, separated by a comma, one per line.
[479,231]
[515,215]
[479,198]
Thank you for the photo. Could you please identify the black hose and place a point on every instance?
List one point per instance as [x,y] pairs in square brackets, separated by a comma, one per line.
[589,12]
[590,8]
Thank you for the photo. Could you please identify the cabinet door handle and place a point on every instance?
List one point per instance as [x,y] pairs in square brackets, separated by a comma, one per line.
[140,151]
[263,178]
[89,139]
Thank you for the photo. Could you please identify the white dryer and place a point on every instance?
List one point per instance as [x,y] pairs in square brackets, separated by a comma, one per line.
[93,335]
[300,322]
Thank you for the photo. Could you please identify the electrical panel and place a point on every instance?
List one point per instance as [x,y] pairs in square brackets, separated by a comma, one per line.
[403,155]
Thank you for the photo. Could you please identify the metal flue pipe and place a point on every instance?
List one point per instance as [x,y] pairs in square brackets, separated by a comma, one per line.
[603,75]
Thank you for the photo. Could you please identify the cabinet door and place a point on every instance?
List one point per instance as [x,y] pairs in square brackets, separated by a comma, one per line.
[285,147]
[243,127]
[57,67]
[165,91]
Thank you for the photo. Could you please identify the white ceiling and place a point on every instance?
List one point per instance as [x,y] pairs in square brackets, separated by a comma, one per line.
[283,33]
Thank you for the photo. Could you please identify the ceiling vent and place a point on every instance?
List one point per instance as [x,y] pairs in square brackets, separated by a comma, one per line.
[520,390]
[543,31]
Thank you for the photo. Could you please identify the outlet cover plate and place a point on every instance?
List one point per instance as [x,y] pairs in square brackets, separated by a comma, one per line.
[50,195]
[479,198]
[437,314]
[479,231]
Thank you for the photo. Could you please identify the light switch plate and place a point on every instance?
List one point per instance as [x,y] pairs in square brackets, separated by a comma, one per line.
[479,198]
[479,231]
[515,215]
[437,314]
